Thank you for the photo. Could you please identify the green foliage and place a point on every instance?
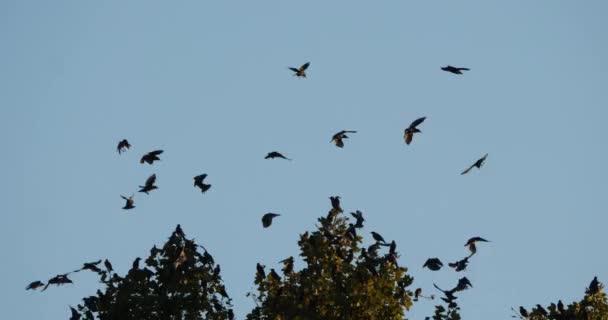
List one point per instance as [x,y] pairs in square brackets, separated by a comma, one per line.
[341,279]
[593,306]
[177,282]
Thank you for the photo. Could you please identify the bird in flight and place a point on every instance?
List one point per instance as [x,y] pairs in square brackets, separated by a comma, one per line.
[123,146]
[300,72]
[198,182]
[90,266]
[408,133]
[471,244]
[338,138]
[459,265]
[275,154]
[58,280]
[267,219]
[454,70]
[129,203]
[149,185]
[433,264]
[359,216]
[34,285]
[150,157]
[477,164]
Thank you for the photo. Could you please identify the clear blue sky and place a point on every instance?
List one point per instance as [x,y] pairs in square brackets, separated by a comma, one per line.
[207,81]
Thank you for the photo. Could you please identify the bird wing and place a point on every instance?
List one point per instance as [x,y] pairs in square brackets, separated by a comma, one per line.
[467,170]
[150,181]
[156,152]
[464,69]
[305,66]
[293,69]
[416,122]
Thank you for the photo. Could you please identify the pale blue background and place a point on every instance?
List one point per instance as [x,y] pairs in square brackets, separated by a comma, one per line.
[207,81]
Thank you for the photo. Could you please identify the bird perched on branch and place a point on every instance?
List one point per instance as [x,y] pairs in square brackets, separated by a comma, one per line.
[477,164]
[275,154]
[454,70]
[149,185]
[150,157]
[267,219]
[123,146]
[408,133]
[338,138]
[300,72]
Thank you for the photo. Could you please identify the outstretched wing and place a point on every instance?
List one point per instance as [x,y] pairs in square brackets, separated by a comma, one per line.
[156,152]
[467,170]
[417,122]
[150,181]
[305,66]
[293,69]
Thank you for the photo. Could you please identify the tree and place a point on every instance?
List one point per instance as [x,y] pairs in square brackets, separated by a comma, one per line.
[177,282]
[341,279]
[593,306]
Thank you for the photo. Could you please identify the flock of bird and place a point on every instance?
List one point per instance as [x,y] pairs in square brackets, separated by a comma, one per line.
[337,139]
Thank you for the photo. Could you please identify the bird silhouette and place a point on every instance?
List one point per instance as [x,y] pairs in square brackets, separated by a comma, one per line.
[433,264]
[149,185]
[287,265]
[90,266]
[260,271]
[449,294]
[377,237]
[454,70]
[523,312]
[541,310]
[300,72]
[274,275]
[359,216]
[471,244]
[335,204]
[108,265]
[459,265]
[594,286]
[560,306]
[267,219]
[275,154]
[338,138]
[198,182]
[463,284]
[123,146]
[477,164]
[136,263]
[129,203]
[408,133]
[58,280]
[150,157]
[34,285]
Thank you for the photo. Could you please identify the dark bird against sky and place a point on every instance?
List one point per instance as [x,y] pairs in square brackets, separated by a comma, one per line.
[129,202]
[267,219]
[338,138]
[149,185]
[300,72]
[454,70]
[123,145]
[408,133]
[150,157]
[477,164]
[275,154]
[198,182]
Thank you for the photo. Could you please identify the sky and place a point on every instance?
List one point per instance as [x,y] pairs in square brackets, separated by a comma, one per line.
[207,82]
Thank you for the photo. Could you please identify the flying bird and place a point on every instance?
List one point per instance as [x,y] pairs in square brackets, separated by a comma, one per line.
[123,146]
[300,72]
[359,216]
[129,203]
[90,266]
[408,133]
[338,138]
[150,157]
[471,244]
[275,154]
[477,164]
[34,285]
[58,280]
[454,70]
[463,284]
[198,182]
[149,185]
[267,219]
[460,265]
[433,264]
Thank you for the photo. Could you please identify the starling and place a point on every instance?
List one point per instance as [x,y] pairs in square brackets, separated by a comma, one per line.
[130,202]
[34,285]
[149,185]
[150,157]
[359,216]
[460,265]
[454,70]
[275,154]
[477,164]
[123,146]
[377,237]
[408,133]
[338,138]
[267,219]
[198,182]
[300,72]
[433,264]
[108,265]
